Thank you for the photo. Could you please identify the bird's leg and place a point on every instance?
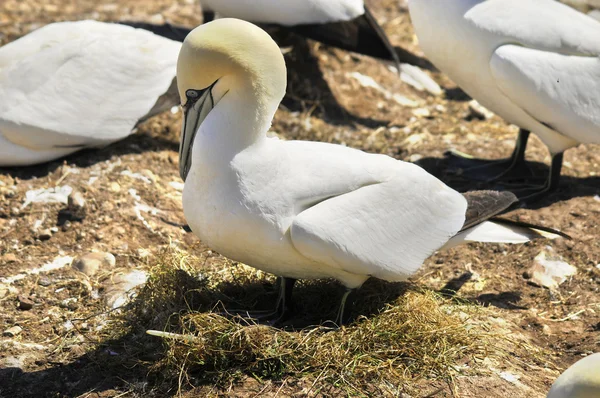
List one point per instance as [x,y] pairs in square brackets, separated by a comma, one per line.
[345,307]
[515,161]
[551,182]
[283,308]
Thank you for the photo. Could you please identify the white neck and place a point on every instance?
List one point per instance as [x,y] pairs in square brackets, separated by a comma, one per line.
[239,120]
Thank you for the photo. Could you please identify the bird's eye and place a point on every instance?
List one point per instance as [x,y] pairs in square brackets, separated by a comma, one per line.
[193,94]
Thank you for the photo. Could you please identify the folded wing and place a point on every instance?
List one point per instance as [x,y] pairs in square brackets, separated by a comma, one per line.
[81,84]
[384,229]
[560,91]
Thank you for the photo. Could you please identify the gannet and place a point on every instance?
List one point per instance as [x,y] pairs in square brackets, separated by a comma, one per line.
[581,380]
[347,24]
[533,62]
[72,85]
[305,209]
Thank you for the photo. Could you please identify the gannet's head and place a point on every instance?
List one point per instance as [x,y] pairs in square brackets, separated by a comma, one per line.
[581,380]
[218,57]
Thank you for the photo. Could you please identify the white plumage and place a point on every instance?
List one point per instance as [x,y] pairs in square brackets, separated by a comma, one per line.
[581,380]
[298,209]
[287,12]
[71,85]
[533,62]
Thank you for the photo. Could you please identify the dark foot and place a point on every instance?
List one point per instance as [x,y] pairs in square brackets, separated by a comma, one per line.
[530,195]
[493,170]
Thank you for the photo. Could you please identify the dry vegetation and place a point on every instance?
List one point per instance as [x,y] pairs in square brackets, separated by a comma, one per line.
[468,325]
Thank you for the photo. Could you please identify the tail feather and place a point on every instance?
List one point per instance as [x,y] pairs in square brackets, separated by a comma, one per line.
[500,230]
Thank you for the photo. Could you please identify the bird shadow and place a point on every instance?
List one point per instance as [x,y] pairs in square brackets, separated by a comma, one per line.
[133,144]
[505,300]
[128,362]
[449,169]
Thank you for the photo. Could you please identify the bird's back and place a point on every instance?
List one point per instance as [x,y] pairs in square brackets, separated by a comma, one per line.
[287,12]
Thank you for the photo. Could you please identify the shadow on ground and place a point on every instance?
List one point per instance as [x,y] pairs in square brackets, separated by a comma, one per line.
[133,144]
[128,363]
[570,187]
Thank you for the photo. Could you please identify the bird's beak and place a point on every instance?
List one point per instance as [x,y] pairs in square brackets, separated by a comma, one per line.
[198,105]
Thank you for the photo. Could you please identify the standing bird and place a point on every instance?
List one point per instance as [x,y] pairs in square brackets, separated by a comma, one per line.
[74,85]
[346,24]
[581,380]
[533,62]
[302,209]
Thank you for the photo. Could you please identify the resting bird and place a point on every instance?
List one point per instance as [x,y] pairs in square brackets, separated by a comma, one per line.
[581,380]
[533,62]
[305,209]
[74,85]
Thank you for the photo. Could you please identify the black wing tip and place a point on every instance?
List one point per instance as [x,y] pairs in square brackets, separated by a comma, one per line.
[554,231]
[483,205]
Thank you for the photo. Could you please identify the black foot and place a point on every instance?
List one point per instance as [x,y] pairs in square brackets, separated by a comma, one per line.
[530,195]
[493,170]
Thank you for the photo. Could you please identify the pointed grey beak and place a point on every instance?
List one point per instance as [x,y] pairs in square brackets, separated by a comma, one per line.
[199,103]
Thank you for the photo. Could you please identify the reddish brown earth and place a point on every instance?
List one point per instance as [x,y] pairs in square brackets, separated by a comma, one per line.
[324,103]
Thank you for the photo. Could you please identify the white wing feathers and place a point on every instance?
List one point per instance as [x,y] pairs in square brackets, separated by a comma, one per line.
[287,12]
[384,228]
[81,83]
[539,24]
[560,91]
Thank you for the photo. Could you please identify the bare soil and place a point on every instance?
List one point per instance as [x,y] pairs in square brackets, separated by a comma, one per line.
[51,357]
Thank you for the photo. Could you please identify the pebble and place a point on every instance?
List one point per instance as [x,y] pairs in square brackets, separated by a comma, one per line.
[91,263]
[67,225]
[44,234]
[76,205]
[9,258]
[114,187]
[44,281]
[70,304]
[13,331]
[25,303]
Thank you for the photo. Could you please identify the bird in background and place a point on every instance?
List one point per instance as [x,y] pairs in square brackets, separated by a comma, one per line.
[581,380]
[345,24]
[74,85]
[306,210]
[535,63]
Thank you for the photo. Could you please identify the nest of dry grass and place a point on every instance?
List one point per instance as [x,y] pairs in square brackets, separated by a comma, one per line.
[410,333]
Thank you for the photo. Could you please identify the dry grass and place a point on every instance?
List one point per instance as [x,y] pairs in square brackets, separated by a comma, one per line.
[402,332]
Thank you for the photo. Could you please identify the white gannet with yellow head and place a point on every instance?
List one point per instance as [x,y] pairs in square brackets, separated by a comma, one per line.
[581,380]
[305,209]
[73,85]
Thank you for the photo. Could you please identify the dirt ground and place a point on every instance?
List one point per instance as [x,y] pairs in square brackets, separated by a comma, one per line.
[133,209]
